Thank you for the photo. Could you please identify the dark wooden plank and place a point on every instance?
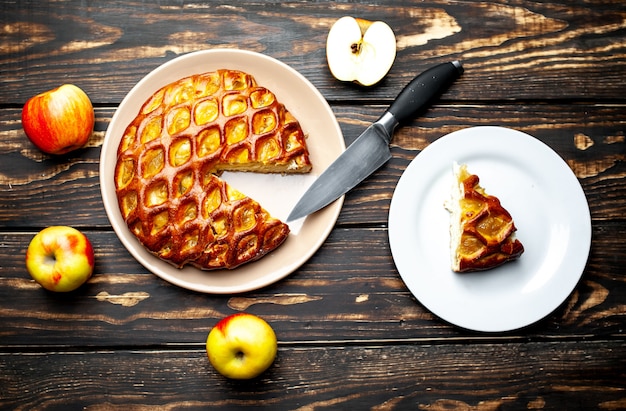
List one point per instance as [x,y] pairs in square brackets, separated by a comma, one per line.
[490,376]
[66,190]
[348,291]
[526,50]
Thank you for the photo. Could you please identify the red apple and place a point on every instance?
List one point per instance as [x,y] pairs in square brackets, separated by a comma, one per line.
[59,120]
[60,258]
[241,346]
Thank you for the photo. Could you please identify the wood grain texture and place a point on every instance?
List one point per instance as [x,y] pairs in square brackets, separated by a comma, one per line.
[351,335]
[479,377]
[590,138]
[518,50]
[348,291]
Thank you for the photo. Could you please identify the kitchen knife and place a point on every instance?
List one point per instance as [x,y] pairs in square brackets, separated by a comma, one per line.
[371,149]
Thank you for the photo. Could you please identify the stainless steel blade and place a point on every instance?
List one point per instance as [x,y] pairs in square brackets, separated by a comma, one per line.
[364,156]
[371,149]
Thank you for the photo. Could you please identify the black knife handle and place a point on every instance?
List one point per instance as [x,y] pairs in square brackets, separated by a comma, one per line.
[423,88]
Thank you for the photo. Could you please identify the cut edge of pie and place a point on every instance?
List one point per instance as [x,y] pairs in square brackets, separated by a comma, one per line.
[482,232]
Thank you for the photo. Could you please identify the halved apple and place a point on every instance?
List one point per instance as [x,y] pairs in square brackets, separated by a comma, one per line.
[360,50]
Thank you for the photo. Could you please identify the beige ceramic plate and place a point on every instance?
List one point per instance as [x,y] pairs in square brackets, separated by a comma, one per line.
[277,193]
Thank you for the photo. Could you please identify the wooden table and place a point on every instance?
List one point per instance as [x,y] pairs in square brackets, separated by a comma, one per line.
[351,335]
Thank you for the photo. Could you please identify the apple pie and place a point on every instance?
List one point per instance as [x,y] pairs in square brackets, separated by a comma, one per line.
[170,158]
[482,232]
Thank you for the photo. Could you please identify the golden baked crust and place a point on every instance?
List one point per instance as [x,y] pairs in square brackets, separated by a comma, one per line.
[482,232]
[168,158]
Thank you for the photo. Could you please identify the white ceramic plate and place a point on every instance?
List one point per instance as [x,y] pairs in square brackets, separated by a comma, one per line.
[277,193]
[550,212]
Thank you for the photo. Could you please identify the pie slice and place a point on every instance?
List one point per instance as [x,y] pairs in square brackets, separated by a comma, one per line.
[482,232]
[171,154]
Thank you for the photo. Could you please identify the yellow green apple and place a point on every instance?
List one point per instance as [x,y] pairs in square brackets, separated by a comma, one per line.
[60,120]
[60,258]
[241,346]
[360,50]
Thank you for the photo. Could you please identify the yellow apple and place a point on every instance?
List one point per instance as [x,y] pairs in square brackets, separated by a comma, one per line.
[360,50]
[241,346]
[60,120]
[60,258]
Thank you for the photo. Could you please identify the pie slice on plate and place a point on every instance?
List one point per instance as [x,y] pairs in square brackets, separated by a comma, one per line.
[482,232]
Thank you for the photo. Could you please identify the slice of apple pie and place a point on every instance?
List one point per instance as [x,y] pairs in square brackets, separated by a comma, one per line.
[482,232]
[171,154]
